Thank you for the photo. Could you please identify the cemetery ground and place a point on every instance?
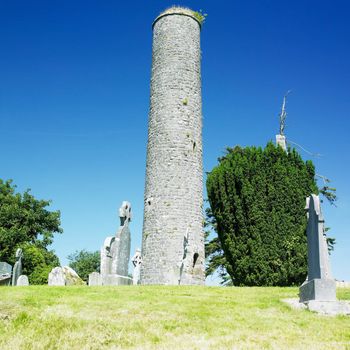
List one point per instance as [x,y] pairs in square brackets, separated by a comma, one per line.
[161,317]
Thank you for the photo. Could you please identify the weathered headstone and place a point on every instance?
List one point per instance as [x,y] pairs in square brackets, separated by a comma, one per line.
[95,279]
[17,269]
[115,253]
[136,261]
[71,277]
[64,276]
[23,280]
[320,284]
[5,273]
[56,277]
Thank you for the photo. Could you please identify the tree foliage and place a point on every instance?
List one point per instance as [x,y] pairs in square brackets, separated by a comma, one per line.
[84,262]
[215,257]
[257,198]
[26,223]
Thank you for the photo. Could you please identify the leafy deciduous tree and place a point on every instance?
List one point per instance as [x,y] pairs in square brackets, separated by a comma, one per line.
[26,223]
[84,262]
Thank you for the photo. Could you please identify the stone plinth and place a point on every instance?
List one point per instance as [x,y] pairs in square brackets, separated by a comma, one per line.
[95,279]
[318,289]
[116,280]
[281,141]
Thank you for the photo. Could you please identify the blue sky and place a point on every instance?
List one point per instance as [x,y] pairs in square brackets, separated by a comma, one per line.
[74,98]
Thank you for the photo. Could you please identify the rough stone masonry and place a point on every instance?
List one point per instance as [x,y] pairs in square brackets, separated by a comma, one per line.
[173,240]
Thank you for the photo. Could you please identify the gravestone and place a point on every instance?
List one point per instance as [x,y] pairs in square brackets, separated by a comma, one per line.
[320,284]
[56,277]
[71,277]
[136,261]
[115,253]
[5,273]
[17,269]
[318,292]
[64,276]
[22,281]
[95,279]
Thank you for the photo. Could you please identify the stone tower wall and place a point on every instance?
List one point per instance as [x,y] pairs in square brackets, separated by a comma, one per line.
[174,175]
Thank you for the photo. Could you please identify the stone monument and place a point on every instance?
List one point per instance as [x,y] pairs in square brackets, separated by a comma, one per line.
[56,277]
[22,281]
[95,279]
[318,292]
[173,198]
[17,269]
[5,273]
[64,276]
[115,253]
[136,261]
[320,284]
[281,138]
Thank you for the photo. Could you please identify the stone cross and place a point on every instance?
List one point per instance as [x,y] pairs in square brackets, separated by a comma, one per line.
[115,252]
[319,284]
[136,261]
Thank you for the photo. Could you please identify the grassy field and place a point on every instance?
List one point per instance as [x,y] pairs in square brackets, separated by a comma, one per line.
[155,317]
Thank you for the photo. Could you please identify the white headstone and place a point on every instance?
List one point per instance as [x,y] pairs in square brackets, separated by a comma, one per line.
[22,281]
[56,277]
[95,279]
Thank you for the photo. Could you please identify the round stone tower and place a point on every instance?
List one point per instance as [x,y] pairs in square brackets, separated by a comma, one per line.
[173,240]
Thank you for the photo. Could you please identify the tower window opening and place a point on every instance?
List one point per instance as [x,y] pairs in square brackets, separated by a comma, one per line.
[195,258]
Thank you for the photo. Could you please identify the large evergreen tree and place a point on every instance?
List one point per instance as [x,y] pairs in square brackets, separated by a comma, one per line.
[26,223]
[257,198]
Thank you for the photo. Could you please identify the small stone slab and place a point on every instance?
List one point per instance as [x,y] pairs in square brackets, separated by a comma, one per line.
[22,281]
[95,279]
[328,308]
[116,280]
[5,273]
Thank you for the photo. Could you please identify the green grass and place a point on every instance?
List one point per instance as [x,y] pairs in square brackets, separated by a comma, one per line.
[158,317]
